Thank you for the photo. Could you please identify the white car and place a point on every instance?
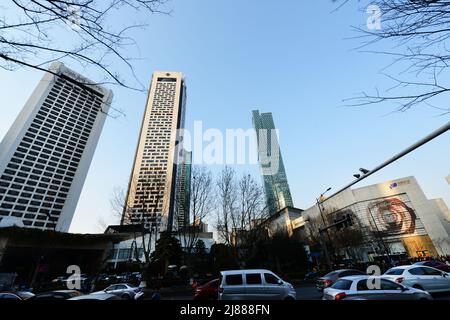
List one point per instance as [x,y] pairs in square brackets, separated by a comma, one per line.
[358,288]
[420,277]
[97,296]
[122,290]
[256,284]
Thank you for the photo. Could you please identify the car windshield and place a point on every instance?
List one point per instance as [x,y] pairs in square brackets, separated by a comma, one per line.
[342,284]
[394,272]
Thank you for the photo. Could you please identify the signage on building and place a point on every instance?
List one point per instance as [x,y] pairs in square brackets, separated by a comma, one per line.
[398,184]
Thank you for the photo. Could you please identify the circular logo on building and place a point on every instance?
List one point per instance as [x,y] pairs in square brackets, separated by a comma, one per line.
[392,217]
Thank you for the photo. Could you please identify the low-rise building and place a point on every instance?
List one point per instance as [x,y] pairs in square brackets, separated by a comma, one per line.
[132,249]
[395,214]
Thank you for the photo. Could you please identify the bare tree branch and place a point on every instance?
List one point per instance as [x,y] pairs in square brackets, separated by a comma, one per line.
[34,33]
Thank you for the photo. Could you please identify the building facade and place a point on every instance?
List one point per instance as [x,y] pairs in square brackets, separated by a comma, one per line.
[395,217]
[183,192]
[278,194]
[46,154]
[151,191]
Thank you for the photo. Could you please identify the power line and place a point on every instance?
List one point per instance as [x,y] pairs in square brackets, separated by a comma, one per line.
[408,150]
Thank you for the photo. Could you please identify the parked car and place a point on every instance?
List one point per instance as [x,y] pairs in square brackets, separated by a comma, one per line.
[17,295]
[434,264]
[258,284]
[331,277]
[97,296]
[122,290]
[356,288]
[209,291]
[420,277]
[57,295]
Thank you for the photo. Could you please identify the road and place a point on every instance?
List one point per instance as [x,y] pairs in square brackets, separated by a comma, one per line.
[304,292]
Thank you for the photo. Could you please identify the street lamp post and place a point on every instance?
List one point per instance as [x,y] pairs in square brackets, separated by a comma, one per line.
[323,243]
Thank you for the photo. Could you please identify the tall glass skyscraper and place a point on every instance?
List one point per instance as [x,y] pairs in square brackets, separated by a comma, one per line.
[278,195]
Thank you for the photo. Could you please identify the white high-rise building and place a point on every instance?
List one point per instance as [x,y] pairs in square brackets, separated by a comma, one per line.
[152,188]
[46,154]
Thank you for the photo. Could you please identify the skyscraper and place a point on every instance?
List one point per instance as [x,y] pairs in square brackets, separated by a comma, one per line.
[46,154]
[183,191]
[278,195]
[151,191]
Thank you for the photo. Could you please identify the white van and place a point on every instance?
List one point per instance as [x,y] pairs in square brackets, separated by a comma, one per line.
[257,284]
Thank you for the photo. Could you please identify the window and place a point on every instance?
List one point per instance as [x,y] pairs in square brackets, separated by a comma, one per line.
[270,278]
[395,272]
[417,271]
[233,279]
[350,273]
[253,278]
[432,272]
[342,284]
[362,285]
[389,285]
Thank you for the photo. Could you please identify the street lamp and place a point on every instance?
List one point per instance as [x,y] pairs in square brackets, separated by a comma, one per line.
[325,249]
[364,171]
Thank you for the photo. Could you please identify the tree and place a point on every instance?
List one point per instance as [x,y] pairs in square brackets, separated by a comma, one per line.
[347,241]
[242,212]
[197,209]
[168,251]
[418,31]
[85,32]
[200,258]
[222,257]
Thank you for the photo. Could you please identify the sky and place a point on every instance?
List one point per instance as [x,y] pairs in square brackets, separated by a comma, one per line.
[296,59]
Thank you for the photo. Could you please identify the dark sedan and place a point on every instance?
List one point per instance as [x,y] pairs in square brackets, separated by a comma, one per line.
[331,277]
[57,295]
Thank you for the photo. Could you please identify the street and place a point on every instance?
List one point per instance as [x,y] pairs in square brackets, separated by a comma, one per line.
[305,291]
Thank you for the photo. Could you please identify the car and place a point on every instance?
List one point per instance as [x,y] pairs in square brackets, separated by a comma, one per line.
[16,295]
[331,277]
[122,290]
[358,288]
[254,284]
[57,295]
[209,291]
[434,264]
[97,296]
[420,277]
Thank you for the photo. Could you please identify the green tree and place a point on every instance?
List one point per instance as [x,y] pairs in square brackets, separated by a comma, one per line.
[168,251]
[222,257]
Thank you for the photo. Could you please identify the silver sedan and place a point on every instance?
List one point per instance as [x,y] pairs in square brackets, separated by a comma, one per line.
[420,277]
[122,290]
[371,288]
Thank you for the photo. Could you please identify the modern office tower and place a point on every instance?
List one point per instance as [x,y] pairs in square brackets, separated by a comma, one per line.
[183,191]
[151,191]
[278,195]
[46,154]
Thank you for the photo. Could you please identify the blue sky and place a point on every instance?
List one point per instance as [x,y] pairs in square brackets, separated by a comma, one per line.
[295,59]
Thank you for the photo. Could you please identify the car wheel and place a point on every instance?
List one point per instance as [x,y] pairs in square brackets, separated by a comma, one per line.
[416,286]
[126,297]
